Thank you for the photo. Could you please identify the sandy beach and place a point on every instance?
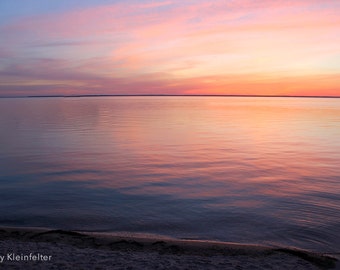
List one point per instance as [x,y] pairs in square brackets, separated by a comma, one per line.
[32,248]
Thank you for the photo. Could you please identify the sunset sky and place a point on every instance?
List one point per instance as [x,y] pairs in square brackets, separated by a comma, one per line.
[243,47]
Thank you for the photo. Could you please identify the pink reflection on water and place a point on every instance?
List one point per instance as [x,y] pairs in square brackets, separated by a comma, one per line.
[205,147]
[187,137]
[273,160]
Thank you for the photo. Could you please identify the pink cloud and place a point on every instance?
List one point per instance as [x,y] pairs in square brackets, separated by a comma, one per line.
[6,53]
[174,46]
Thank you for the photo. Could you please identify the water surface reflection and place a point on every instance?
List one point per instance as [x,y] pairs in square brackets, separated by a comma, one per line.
[255,170]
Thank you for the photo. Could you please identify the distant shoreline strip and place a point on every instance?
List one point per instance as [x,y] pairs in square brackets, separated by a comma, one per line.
[165,95]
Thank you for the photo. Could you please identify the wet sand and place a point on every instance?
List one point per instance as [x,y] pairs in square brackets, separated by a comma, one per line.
[33,248]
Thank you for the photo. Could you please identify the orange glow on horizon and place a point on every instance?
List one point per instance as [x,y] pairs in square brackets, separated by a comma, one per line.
[170,47]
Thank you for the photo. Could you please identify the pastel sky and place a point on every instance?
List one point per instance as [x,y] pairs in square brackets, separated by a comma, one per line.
[267,47]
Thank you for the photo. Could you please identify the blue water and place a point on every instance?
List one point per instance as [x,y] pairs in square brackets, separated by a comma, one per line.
[249,170]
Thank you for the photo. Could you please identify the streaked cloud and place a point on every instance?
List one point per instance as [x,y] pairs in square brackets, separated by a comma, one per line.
[173,47]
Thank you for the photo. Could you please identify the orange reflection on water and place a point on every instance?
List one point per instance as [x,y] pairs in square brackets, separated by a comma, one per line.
[208,147]
[268,166]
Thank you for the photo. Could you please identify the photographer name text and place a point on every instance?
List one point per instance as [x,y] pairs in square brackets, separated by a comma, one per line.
[34,257]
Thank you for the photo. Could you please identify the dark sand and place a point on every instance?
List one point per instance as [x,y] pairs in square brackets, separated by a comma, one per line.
[31,248]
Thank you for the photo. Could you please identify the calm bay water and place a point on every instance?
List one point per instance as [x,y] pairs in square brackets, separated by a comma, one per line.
[250,170]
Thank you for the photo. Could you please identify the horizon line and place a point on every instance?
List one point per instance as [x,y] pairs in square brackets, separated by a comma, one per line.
[163,95]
